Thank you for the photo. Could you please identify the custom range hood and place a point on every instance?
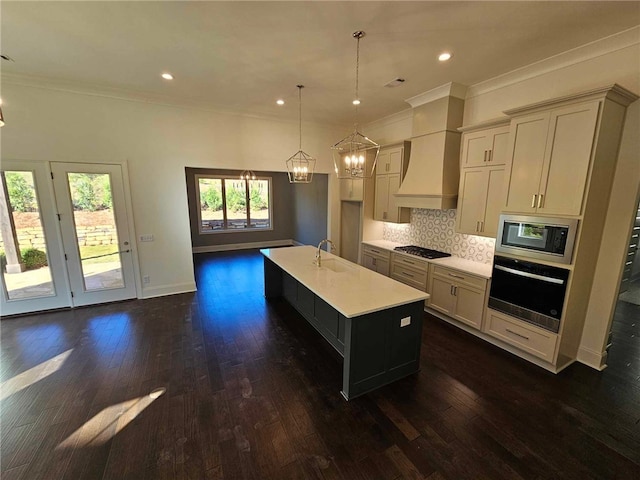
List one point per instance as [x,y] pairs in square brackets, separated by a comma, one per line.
[433,173]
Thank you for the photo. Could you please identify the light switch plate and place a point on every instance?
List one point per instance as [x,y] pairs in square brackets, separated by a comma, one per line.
[405,321]
[146,238]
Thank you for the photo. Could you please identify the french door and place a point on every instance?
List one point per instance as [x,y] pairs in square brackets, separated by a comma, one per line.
[72,233]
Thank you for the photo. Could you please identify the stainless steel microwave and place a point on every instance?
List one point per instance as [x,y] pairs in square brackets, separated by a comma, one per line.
[543,238]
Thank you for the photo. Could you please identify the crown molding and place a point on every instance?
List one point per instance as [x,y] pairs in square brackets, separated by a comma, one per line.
[450,89]
[401,116]
[583,53]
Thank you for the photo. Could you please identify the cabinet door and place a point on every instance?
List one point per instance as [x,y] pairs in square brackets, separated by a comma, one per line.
[499,149]
[469,305]
[395,160]
[472,199]
[352,189]
[475,146]
[529,134]
[381,206]
[369,262]
[383,164]
[567,159]
[441,298]
[393,184]
[495,197]
[382,267]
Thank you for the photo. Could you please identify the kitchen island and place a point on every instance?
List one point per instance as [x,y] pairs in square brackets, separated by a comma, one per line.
[374,322]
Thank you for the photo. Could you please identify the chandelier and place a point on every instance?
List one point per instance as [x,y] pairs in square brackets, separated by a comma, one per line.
[355,155]
[300,165]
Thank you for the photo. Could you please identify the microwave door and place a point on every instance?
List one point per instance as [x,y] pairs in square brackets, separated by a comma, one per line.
[526,235]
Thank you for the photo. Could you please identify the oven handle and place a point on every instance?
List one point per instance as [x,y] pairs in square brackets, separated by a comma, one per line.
[559,281]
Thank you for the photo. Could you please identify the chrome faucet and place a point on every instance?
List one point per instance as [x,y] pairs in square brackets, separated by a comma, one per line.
[318,257]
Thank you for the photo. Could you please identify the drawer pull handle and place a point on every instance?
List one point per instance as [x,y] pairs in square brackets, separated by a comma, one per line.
[407,274]
[374,251]
[517,334]
[456,276]
[408,261]
[533,201]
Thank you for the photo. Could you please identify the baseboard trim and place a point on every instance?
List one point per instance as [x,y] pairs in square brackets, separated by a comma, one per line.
[243,246]
[592,358]
[164,290]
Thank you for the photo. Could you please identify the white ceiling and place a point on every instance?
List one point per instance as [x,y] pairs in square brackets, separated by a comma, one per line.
[242,56]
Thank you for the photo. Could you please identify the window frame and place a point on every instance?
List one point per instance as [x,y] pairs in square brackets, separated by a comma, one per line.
[235,178]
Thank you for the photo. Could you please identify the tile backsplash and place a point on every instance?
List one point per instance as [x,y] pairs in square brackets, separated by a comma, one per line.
[436,229]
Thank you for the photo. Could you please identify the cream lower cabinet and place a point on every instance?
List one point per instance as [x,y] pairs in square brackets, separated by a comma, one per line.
[458,295]
[409,270]
[376,259]
[550,157]
[480,200]
[529,338]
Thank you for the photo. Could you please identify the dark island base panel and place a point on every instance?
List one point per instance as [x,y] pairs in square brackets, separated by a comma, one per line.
[376,348]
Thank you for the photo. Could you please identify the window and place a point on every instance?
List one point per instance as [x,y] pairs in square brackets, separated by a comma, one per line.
[228,204]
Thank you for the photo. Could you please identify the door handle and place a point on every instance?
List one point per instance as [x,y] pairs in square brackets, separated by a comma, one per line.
[485,156]
[490,155]
[451,290]
[540,200]
[477,226]
[533,200]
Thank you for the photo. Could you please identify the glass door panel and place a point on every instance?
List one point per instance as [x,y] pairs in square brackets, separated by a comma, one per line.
[23,249]
[33,276]
[95,230]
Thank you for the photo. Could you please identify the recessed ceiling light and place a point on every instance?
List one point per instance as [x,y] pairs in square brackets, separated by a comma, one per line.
[167,76]
[356,102]
[280,101]
[444,56]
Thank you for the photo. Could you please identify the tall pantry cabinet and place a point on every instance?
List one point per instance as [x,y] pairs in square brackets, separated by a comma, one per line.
[563,155]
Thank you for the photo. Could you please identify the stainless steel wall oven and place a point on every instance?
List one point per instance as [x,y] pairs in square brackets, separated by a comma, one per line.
[529,291]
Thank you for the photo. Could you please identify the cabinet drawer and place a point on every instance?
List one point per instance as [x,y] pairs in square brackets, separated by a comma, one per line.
[526,337]
[376,252]
[456,276]
[409,276]
[414,264]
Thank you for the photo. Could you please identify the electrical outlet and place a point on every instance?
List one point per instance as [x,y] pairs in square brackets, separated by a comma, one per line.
[146,238]
[405,321]
[146,280]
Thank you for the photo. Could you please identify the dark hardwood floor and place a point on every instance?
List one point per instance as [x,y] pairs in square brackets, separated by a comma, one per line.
[252,392]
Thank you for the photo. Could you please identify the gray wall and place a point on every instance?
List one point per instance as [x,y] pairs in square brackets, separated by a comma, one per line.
[310,210]
[299,211]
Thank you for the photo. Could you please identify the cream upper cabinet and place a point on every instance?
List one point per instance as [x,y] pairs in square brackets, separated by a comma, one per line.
[390,168]
[485,147]
[481,189]
[480,201]
[352,189]
[551,153]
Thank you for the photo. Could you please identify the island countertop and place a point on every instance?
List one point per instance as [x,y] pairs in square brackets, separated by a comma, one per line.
[349,288]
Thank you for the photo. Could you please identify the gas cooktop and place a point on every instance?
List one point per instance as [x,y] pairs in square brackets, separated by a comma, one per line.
[422,252]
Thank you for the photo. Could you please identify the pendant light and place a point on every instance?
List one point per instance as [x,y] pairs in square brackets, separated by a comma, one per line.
[300,165]
[355,156]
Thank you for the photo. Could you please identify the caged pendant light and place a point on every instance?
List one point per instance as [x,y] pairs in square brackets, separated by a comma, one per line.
[300,165]
[355,156]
